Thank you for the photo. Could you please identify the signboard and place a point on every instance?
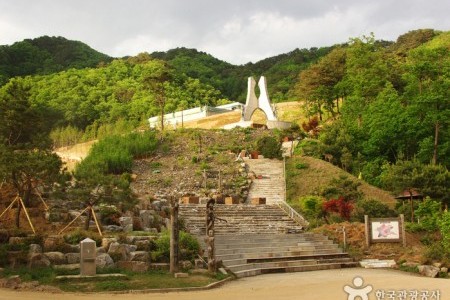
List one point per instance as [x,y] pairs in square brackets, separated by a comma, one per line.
[385,230]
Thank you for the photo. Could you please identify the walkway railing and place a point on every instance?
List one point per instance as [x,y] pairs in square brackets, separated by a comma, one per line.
[293,214]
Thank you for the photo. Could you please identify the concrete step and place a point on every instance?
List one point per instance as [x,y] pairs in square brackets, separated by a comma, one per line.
[277,254]
[314,267]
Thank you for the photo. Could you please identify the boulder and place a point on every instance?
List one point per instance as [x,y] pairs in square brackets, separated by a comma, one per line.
[126,223]
[35,248]
[119,251]
[140,256]
[428,271]
[134,266]
[72,258]
[11,282]
[147,218]
[99,250]
[107,241]
[112,228]
[17,240]
[444,270]
[56,258]
[143,245]
[53,243]
[185,265]
[38,260]
[103,260]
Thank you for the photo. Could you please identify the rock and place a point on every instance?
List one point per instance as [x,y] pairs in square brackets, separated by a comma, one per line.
[147,218]
[410,264]
[106,242]
[100,250]
[126,223]
[112,228]
[69,267]
[119,251]
[428,271]
[17,240]
[143,245]
[35,248]
[103,260]
[73,248]
[38,260]
[185,265]
[223,271]
[199,264]
[53,243]
[29,285]
[134,266]
[140,256]
[437,265]
[72,258]
[11,282]
[181,275]
[444,270]
[200,271]
[56,258]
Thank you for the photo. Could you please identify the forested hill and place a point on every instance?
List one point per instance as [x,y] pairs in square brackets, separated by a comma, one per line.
[281,70]
[46,55]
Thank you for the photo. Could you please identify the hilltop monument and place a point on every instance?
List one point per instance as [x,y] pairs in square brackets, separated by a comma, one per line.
[252,103]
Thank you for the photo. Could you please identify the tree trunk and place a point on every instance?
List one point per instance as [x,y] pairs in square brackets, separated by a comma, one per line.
[19,207]
[436,139]
[88,219]
[174,237]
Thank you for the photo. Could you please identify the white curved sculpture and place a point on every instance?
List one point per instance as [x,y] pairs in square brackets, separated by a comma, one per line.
[263,102]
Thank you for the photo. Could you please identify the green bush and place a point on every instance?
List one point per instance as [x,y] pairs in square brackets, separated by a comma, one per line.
[269,147]
[444,228]
[428,213]
[76,236]
[189,247]
[373,208]
[115,154]
[309,147]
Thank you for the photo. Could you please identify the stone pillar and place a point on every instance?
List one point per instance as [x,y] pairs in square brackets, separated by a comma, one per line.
[174,236]
[210,235]
[87,257]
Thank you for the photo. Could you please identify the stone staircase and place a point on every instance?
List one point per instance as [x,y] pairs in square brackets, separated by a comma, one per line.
[260,239]
[269,182]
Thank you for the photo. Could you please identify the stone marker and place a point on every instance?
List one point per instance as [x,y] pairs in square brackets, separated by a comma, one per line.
[87,257]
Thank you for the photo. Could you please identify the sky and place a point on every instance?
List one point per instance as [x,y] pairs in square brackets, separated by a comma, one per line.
[236,31]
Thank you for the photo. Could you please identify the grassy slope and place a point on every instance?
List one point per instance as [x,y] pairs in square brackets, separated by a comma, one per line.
[318,174]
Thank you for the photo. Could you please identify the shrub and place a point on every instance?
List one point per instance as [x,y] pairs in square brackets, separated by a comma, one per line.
[269,147]
[309,147]
[188,246]
[428,213]
[339,206]
[444,228]
[372,208]
[76,236]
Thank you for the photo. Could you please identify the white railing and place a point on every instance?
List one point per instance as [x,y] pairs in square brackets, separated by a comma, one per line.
[293,214]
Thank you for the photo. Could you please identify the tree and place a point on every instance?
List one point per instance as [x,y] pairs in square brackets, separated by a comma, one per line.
[157,80]
[26,160]
[428,89]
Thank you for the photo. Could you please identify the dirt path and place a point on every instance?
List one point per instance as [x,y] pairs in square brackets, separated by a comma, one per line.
[323,285]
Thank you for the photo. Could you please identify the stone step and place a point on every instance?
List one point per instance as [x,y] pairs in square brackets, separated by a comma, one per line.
[277,254]
[314,267]
[285,264]
[274,249]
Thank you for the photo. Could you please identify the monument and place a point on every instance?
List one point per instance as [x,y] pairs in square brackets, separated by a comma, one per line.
[254,103]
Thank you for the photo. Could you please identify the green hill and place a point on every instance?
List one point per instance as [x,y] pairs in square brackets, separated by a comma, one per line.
[45,55]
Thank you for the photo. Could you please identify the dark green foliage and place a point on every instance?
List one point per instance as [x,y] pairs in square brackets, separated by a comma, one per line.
[373,208]
[189,247]
[115,154]
[76,236]
[269,147]
[342,187]
[45,55]
[309,147]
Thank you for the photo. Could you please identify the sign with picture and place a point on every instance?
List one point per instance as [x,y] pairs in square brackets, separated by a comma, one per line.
[381,230]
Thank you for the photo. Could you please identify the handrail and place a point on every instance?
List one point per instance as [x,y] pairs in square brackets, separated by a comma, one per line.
[293,214]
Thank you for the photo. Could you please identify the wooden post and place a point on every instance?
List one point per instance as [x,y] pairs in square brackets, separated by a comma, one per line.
[12,203]
[210,235]
[174,235]
[220,181]
[367,227]
[96,222]
[26,214]
[402,224]
[71,222]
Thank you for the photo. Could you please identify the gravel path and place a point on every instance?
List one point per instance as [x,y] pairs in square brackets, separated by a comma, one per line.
[323,285]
